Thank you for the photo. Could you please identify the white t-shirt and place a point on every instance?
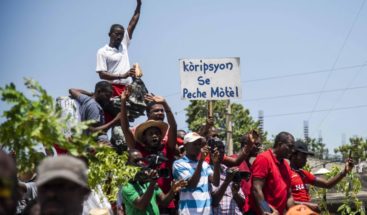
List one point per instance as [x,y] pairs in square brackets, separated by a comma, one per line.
[115,61]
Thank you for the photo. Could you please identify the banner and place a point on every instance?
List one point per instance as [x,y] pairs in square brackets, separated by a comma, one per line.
[210,79]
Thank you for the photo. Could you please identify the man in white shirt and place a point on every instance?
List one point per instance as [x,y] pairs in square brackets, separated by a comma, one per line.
[113,59]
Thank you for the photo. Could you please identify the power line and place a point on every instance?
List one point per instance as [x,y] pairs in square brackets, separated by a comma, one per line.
[304,73]
[340,96]
[315,111]
[303,94]
[338,57]
[292,75]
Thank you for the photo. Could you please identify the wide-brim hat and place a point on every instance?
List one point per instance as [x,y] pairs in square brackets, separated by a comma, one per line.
[139,131]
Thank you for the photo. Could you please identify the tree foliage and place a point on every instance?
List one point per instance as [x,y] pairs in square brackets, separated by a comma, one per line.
[242,122]
[38,120]
[357,147]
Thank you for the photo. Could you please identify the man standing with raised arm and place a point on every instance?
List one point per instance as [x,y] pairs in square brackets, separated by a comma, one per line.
[113,58]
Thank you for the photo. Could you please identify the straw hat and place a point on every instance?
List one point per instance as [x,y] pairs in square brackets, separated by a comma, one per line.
[147,124]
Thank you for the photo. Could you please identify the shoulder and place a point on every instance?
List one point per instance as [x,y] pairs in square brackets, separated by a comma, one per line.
[102,50]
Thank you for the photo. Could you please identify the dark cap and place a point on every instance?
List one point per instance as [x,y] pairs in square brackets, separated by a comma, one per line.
[302,147]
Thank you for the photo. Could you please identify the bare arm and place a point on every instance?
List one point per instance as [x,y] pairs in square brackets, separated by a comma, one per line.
[165,199]
[110,76]
[143,201]
[323,183]
[240,200]
[172,132]
[194,180]
[215,178]
[107,125]
[257,190]
[217,195]
[129,137]
[75,93]
[134,20]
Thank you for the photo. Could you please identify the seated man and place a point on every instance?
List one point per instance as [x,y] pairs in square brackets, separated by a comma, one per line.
[142,195]
[196,198]
[90,108]
[300,177]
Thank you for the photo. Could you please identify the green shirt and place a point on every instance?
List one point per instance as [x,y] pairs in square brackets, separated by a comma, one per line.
[130,192]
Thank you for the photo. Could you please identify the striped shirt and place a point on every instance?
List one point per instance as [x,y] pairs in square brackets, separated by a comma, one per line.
[197,200]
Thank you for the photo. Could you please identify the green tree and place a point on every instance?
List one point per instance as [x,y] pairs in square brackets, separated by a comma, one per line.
[356,149]
[37,120]
[242,122]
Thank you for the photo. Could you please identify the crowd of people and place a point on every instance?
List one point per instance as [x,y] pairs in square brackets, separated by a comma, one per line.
[180,173]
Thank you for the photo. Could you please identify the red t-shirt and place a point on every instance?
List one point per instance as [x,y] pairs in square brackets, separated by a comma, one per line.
[277,179]
[246,185]
[299,180]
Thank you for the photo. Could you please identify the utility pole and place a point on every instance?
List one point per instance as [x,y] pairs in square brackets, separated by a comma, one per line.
[229,129]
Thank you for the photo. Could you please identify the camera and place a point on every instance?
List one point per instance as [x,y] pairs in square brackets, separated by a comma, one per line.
[215,143]
[238,176]
[153,162]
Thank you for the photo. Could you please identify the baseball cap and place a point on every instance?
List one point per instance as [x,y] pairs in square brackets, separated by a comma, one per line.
[192,137]
[302,147]
[65,167]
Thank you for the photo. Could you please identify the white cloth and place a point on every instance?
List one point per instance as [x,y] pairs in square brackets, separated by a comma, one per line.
[96,199]
[115,61]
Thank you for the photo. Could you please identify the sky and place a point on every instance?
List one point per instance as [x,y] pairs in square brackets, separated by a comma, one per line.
[300,60]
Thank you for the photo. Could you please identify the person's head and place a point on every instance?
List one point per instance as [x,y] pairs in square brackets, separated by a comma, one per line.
[193,143]
[62,185]
[299,155]
[135,158]
[217,143]
[181,134]
[8,185]
[103,92]
[245,139]
[151,133]
[155,111]
[116,35]
[283,145]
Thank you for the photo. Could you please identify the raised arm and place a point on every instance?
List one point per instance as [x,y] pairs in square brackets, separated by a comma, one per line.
[217,194]
[172,132]
[215,178]
[194,180]
[165,199]
[129,137]
[320,182]
[134,20]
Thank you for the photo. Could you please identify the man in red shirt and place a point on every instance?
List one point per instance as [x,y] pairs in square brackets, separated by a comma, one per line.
[150,139]
[300,178]
[271,177]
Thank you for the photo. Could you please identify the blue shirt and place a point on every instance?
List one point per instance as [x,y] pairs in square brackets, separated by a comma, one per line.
[196,200]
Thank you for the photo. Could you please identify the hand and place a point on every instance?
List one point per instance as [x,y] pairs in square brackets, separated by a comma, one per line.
[204,152]
[349,164]
[125,95]
[152,175]
[235,188]
[178,185]
[155,99]
[231,173]
[215,156]
[210,121]
[131,72]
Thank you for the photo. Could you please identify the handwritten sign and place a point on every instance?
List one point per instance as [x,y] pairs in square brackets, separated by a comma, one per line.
[210,79]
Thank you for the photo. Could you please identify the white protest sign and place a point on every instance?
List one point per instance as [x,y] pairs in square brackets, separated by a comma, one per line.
[210,79]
